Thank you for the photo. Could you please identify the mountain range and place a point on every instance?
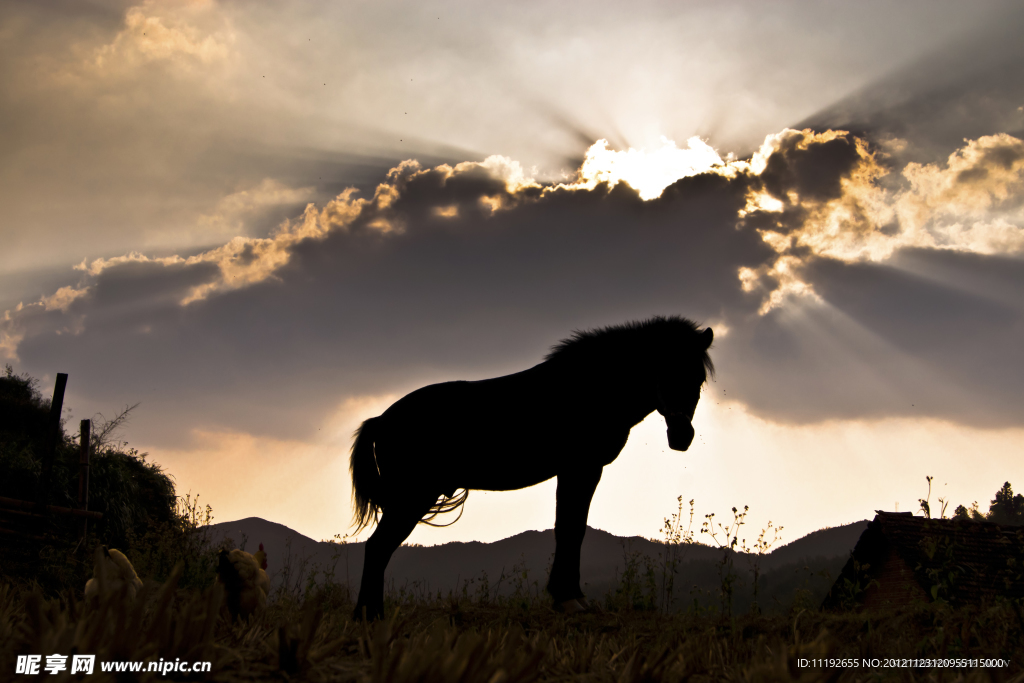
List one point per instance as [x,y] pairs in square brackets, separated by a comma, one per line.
[802,570]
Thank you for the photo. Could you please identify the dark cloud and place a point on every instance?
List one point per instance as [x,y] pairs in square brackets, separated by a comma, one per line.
[813,171]
[472,271]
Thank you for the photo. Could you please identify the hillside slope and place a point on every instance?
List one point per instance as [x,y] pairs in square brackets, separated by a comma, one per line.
[808,564]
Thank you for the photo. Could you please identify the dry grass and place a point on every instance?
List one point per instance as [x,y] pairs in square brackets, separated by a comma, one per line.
[460,640]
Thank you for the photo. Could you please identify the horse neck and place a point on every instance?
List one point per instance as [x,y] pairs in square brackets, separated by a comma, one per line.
[613,388]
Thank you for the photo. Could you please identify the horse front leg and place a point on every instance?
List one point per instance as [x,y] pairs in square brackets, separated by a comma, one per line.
[574,494]
[397,522]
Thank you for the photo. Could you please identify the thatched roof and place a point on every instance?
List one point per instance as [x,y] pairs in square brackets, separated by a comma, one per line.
[955,560]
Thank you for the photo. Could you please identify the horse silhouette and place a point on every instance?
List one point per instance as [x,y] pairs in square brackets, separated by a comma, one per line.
[567,417]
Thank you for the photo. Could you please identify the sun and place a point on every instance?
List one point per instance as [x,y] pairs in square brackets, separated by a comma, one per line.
[648,172]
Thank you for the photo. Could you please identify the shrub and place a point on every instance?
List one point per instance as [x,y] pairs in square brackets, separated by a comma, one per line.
[142,516]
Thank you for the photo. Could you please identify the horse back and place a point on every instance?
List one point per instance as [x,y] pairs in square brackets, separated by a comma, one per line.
[529,396]
[503,433]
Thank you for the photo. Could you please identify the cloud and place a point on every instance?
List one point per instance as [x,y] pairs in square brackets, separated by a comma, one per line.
[10,336]
[161,33]
[821,267]
[822,196]
[384,290]
[236,213]
[62,298]
[100,161]
[975,203]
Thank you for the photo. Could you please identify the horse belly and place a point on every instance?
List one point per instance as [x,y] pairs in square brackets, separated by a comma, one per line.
[489,435]
[494,459]
[497,471]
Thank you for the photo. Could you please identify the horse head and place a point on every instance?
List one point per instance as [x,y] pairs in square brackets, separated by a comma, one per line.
[678,392]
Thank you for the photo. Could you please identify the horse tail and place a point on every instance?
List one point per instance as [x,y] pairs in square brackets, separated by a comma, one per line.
[367,486]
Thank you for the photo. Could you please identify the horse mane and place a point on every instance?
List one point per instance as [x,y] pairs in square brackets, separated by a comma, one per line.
[629,338]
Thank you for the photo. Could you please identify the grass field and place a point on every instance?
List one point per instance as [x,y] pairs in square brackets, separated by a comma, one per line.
[459,639]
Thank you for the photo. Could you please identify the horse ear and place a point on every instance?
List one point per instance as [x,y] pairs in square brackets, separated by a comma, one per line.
[706,337]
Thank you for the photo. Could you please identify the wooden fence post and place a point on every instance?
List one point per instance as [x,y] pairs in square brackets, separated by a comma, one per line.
[50,445]
[83,474]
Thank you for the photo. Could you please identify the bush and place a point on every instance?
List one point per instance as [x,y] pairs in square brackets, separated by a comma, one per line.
[1006,508]
[142,515]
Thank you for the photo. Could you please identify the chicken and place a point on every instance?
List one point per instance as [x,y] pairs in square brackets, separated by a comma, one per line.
[261,558]
[245,580]
[112,575]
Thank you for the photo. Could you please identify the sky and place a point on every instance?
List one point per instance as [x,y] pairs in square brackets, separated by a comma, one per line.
[265,222]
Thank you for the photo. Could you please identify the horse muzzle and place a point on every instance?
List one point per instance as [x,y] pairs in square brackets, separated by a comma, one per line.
[680,431]
[678,414]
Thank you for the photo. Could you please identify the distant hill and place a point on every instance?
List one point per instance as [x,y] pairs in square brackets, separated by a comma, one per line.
[831,542]
[791,568]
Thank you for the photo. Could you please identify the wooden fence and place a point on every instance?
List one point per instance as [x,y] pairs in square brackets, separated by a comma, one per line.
[31,521]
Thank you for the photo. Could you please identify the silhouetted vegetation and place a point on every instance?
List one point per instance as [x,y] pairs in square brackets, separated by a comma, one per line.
[1005,508]
[307,632]
[142,515]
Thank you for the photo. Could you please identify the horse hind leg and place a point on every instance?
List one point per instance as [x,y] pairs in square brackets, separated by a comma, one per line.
[396,523]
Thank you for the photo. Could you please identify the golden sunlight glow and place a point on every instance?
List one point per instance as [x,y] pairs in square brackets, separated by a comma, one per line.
[778,280]
[62,298]
[233,212]
[169,38]
[238,475]
[9,336]
[970,203]
[509,170]
[649,173]
[231,465]
[762,201]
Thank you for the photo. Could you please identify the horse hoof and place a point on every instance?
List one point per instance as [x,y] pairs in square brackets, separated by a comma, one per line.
[364,613]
